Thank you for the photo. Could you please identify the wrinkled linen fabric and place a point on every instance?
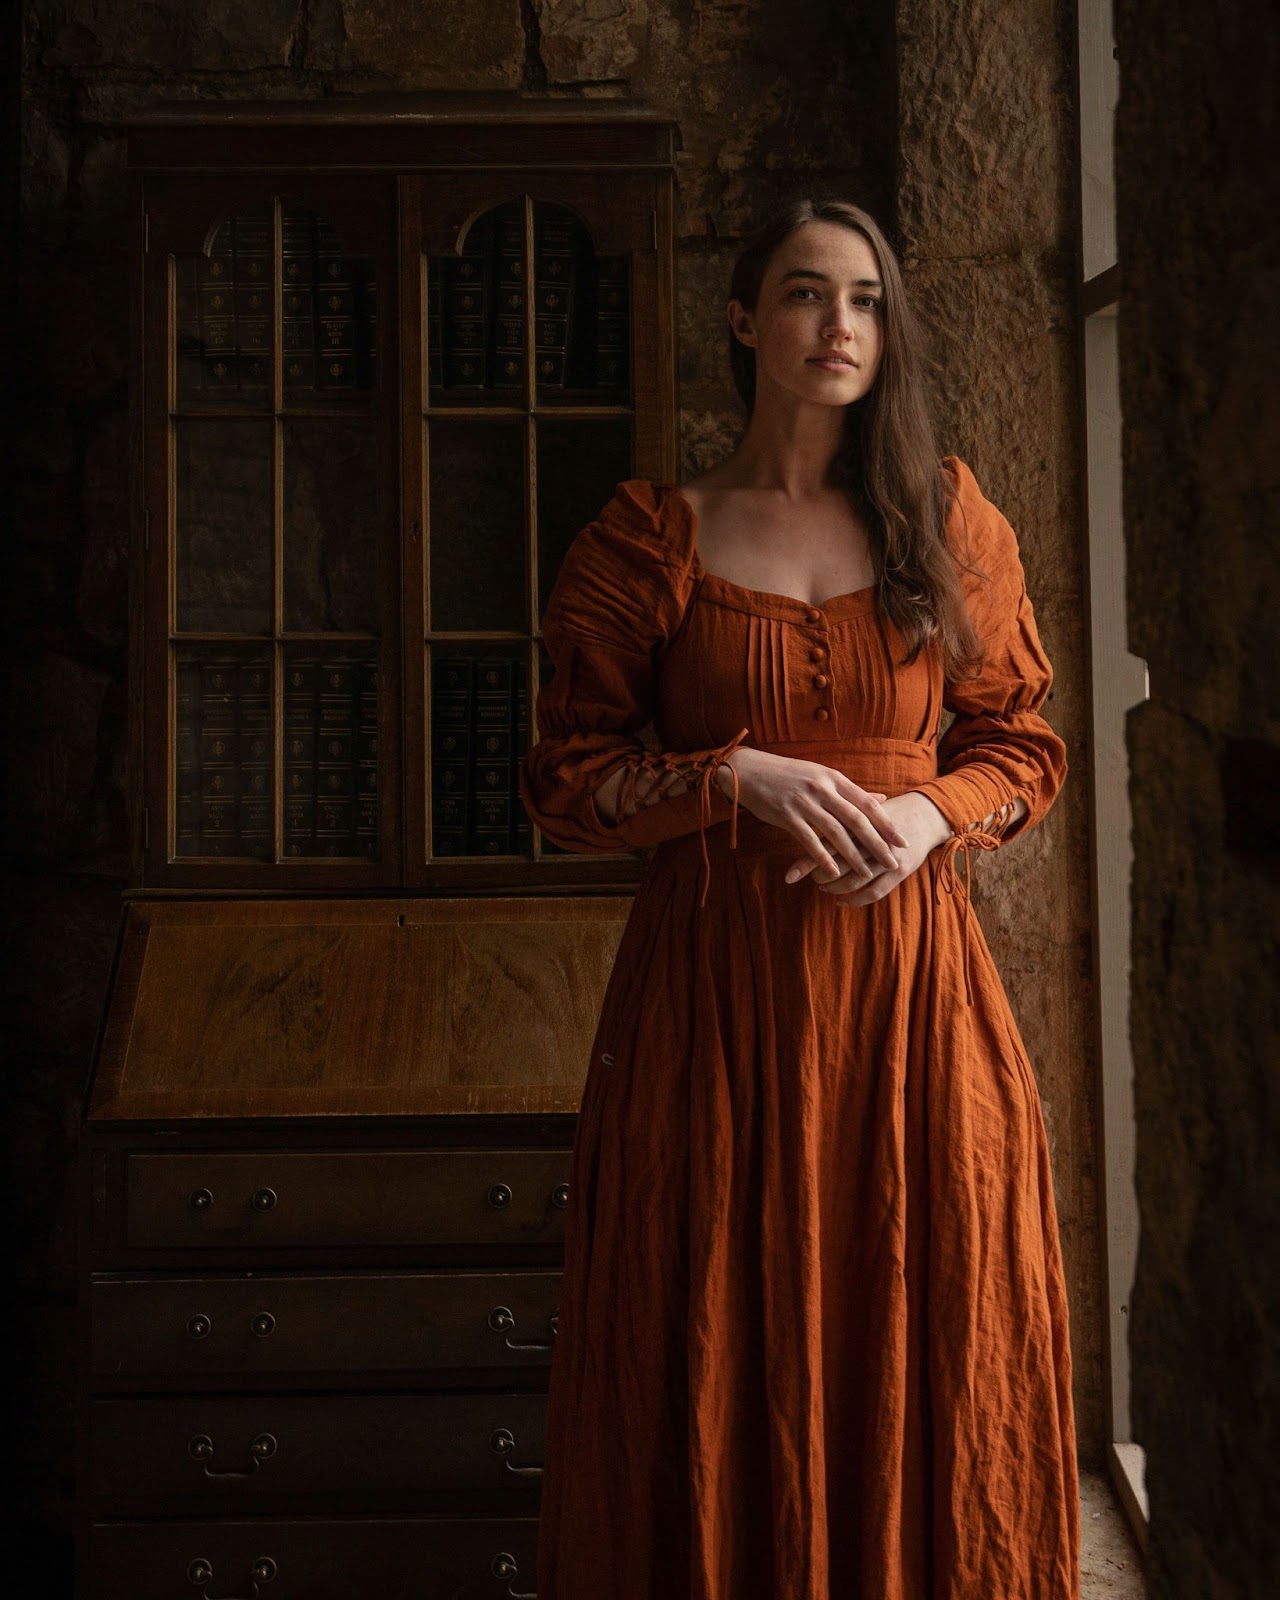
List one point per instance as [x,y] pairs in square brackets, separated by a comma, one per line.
[813,1335]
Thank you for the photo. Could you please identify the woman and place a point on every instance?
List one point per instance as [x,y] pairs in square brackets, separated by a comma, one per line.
[813,1339]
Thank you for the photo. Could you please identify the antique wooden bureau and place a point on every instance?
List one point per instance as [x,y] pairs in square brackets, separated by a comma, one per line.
[390,356]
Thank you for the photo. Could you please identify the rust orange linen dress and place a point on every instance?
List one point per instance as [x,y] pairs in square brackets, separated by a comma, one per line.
[813,1337]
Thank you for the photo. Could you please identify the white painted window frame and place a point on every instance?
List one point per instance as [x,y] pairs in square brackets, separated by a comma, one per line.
[1118,682]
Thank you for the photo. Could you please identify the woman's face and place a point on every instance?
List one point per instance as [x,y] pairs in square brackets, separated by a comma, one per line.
[817,328]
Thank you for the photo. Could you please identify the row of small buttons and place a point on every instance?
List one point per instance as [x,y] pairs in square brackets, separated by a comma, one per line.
[818,654]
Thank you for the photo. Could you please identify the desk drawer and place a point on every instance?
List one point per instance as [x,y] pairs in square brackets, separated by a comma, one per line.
[322,1323]
[482,1558]
[224,1452]
[221,1199]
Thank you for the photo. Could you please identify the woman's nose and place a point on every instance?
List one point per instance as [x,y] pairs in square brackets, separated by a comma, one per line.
[840,320]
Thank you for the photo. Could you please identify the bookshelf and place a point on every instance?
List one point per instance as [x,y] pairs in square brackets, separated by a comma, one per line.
[390,355]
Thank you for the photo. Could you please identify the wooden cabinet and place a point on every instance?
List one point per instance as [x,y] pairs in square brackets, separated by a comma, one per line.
[390,356]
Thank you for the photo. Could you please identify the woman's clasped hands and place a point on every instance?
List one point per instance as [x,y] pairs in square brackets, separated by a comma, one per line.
[859,843]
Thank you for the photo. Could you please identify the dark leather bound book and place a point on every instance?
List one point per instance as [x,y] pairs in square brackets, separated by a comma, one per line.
[468,290]
[452,678]
[300,708]
[520,827]
[492,768]
[253,741]
[613,331]
[555,273]
[507,351]
[367,762]
[335,757]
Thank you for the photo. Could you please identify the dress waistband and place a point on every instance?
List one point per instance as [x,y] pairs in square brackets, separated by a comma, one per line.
[888,766]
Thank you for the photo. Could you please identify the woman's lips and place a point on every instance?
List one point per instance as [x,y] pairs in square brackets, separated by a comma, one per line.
[832,363]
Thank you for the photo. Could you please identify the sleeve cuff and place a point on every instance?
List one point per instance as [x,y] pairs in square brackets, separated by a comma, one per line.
[967,796]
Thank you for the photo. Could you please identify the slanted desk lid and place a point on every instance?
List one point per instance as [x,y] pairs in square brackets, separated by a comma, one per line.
[267,1008]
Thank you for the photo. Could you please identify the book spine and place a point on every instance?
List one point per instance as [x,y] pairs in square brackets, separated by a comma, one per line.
[335,759]
[299,758]
[298,300]
[521,837]
[219,788]
[252,293]
[492,774]
[335,320]
[254,742]
[613,345]
[186,783]
[507,354]
[554,282]
[452,691]
[467,281]
[217,314]
[435,319]
[367,763]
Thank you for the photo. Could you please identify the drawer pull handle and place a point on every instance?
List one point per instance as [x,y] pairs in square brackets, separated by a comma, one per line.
[200,1573]
[198,1327]
[499,1196]
[502,1442]
[560,1196]
[201,1199]
[501,1318]
[263,1199]
[504,1566]
[263,1325]
[261,1449]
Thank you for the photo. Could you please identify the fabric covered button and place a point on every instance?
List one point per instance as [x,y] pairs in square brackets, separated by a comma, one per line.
[813,614]
[821,681]
[822,713]
[818,653]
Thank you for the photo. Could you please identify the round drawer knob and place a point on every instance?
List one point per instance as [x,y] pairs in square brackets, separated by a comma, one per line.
[264,1446]
[200,1448]
[201,1200]
[500,1195]
[262,1325]
[263,1570]
[263,1199]
[198,1327]
[501,1320]
[199,1572]
[504,1566]
[560,1195]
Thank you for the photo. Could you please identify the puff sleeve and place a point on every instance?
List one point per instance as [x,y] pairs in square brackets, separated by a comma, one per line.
[998,746]
[619,596]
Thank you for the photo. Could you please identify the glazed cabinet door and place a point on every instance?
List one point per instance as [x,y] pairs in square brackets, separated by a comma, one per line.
[538,353]
[270,515]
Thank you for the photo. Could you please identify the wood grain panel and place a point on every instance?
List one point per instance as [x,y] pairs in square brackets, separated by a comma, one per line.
[286,1007]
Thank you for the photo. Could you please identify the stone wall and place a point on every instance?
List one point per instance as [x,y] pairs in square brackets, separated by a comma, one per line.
[1197,202]
[987,219]
[772,99]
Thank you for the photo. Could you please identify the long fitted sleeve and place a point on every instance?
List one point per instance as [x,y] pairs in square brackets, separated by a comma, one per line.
[619,597]
[998,747]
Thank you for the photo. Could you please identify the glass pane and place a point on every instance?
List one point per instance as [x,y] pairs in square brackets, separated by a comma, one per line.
[333,522]
[479,732]
[222,516]
[330,754]
[476,534]
[581,304]
[223,748]
[476,336]
[329,304]
[580,464]
[224,344]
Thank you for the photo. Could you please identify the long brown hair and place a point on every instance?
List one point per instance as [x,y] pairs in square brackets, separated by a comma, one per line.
[888,460]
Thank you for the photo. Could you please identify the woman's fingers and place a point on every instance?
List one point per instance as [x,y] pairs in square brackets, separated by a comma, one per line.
[875,814]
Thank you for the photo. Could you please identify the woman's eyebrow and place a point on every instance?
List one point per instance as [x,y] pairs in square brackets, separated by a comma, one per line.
[809,272]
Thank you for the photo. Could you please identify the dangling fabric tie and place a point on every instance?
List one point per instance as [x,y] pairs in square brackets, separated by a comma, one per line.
[703,767]
[946,878]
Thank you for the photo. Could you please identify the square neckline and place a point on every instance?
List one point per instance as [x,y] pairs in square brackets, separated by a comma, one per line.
[851,600]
